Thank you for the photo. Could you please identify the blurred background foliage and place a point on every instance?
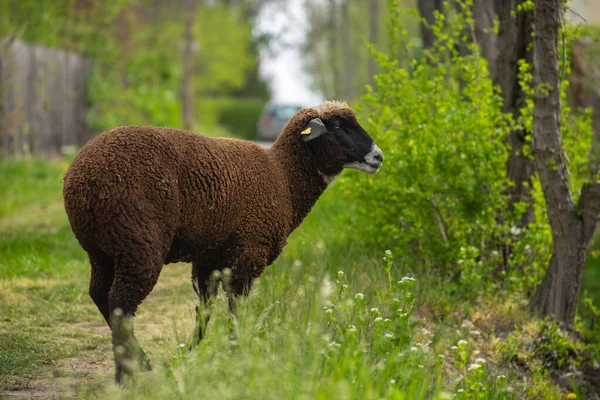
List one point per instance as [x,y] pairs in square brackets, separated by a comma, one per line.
[137,47]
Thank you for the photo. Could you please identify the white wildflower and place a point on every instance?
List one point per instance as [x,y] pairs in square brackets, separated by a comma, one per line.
[462,342]
[297,263]
[480,361]
[351,328]
[388,335]
[453,348]
[359,296]
[375,310]
[515,230]
[378,319]
[340,274]
[460,390]
[413,348]
[474,367]
[421,366]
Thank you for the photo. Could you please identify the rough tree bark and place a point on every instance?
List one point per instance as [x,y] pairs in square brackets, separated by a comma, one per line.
[514,44]
[572,224]
[349,86]
[333,49]
[484,14]
[426,10]
[188,65]
[373,36]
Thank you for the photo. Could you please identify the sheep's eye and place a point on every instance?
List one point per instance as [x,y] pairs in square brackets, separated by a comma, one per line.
[337,124]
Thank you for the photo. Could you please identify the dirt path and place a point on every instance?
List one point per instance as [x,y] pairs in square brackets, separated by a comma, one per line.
[164,320]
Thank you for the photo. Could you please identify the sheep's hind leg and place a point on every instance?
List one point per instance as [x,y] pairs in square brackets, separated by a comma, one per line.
[130,288]
[101,280]
[206,285]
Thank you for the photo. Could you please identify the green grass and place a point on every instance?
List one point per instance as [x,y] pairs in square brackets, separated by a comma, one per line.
[305,331]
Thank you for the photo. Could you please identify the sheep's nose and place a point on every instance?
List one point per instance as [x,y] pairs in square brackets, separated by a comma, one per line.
[378,157]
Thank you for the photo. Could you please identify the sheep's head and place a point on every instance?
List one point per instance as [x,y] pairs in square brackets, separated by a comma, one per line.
[339,141]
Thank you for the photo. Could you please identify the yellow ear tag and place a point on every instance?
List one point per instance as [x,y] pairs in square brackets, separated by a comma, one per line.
[306,131]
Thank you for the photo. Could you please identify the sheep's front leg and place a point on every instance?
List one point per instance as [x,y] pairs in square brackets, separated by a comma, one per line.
[248,267]
[206,285]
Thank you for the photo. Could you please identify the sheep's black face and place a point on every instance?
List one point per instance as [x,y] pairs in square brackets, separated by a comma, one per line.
[360,150]
[344,144]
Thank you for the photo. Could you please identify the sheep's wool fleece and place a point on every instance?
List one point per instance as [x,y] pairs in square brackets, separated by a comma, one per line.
[141,197]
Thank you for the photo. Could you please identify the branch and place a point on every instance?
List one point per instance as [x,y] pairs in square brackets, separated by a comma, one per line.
[589,208]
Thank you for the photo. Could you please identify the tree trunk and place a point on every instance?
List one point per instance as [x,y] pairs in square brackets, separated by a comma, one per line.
[514,44]
[348,85]
[333,49]
[484,14]
[188,66]
[572,225]
[373,36]
[426,10]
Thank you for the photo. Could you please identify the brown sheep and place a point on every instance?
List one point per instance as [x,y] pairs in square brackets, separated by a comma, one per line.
[141,197]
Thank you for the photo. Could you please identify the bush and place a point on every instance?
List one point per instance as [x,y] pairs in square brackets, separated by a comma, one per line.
[440,193]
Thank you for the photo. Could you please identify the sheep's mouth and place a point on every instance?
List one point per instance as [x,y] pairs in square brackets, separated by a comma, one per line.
[369,168]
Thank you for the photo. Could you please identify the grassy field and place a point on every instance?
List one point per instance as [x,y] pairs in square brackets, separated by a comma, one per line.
[325,321]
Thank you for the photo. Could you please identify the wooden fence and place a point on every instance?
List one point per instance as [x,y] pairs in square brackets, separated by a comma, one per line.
[42,100]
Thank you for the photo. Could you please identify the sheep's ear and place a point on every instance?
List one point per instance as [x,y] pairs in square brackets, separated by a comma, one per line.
[314,129]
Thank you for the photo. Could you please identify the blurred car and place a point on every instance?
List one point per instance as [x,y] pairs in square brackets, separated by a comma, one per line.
[274,117]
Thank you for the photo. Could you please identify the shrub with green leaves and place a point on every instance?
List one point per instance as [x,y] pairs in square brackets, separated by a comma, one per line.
[441,192]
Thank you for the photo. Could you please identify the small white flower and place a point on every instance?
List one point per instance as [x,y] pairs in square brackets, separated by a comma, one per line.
[182,345]
[462,342]
[420,366]
[495,253]
[474,367]
[413,348]
[460,390]
[340,274]
[375,310]
[359,296]
[329,311]
[388,335]
[334,345]
[344,287]
[441,356]
[480,361]
[515,230]
[453,348]
[297,263]
[378,319]
[351,328]
[392,381]
[388,253]
[501,377]
[387,320]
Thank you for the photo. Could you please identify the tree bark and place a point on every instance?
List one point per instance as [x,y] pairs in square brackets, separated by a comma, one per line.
[188,66]
[484,14]
[572,225]
[334,50]
[426,10]
[349,86]
[514,44]
[373,36]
